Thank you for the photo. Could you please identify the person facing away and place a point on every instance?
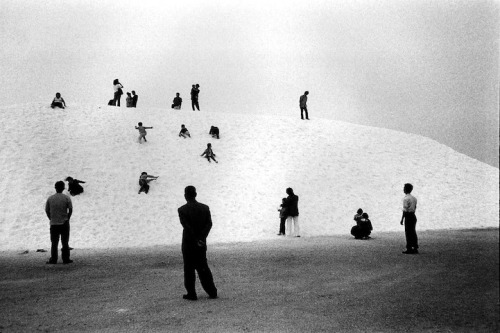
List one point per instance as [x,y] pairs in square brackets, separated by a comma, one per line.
[129,101]
[410,220]
[365,226]
[214,132]
[292,212]
[59,209]
[196,222]
[283,216]
[118,92]
[209,154]
[74,187]
[134,99]
[177,102]
[142,132]
[303,105]
[58,102]
[184,132]
[195,91]
[144,180]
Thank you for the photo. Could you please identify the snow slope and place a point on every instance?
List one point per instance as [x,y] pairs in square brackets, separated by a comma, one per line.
[334,167]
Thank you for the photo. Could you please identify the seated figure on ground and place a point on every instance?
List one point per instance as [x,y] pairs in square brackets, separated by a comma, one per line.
[58,101]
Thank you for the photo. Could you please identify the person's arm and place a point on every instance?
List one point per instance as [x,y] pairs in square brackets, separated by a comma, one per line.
[149,127]
[136,127]
[208,225]
[80,181]
[70,208]
[47,209]
[185,223]
[64,103]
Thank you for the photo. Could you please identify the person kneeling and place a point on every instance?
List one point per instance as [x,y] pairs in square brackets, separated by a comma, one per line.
[58,102]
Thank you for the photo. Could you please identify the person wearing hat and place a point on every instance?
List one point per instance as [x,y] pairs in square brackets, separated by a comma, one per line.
[194,96]
[196,221]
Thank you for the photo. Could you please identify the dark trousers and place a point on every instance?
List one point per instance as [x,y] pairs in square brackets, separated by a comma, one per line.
[282,225]
[195,259]
[117,99]
[194,103]
[57,104]
[62,231]
[410,232]
[302,109]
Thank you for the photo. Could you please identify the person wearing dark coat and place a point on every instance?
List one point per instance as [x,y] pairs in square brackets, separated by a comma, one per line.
[195,91]
[177,102]
[196,221]
[134,99]
[74,187]
[292,212]
[214,132]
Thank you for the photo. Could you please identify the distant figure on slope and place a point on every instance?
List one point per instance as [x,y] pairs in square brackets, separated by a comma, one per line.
[142,132]
[144,180]
[184,132]
[177,102]
[283,217]
[214,132]
[117,86]
[134,99]
[209,154]
[59,209]
[58,102]
[363,227]
[195,91]
[303,105]
[196,222]
[410,220]
[74,187]
[129,100]
[292,212]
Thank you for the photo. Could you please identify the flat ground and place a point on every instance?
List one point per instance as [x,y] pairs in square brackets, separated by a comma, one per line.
[320,284]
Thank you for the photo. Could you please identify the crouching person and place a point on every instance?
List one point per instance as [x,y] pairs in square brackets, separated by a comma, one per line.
[214,132]
[144,180]
[58,102]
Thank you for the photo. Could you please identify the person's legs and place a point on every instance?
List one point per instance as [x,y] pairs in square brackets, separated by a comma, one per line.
[307,115]
[296,226]
[55,231]
[189,272]
[65,242]
[197,105]
[282,225]
[410,232]
[193,103]
[205,274]
[301,112]
[289,225]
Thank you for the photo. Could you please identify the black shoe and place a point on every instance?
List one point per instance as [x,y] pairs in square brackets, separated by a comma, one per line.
[67,262]
[213,296]
[190,297]
[410,252]
[51,262]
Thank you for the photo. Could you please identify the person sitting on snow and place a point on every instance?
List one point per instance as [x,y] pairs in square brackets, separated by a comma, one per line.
[184,132]
[209,154]
[58,102]
[144,180]
[74,187]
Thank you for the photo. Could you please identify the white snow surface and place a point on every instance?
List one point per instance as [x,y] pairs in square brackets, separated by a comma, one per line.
[334,167]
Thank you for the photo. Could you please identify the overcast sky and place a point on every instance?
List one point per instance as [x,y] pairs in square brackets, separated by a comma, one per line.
[425,67]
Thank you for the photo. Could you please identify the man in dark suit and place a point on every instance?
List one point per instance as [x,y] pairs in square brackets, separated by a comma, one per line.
[196,220]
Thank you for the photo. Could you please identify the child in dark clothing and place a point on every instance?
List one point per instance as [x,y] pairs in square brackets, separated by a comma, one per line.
[184,132]
[283,216]
[214,132]
[209,154]
[74,187]
[144,180]
[356,230]
[58,101]
[366,226]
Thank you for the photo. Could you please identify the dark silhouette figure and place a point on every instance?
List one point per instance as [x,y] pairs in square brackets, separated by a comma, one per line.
[59,209]
[58,102]
[177,102]
[144,180]
[303,105]
[134,99]
[184,132]
[117,86]
[410,220]
[197,222]
[74,187]
[292,212]
[214,132]
[209,154]
[283,217]
[363,227]
[194,96]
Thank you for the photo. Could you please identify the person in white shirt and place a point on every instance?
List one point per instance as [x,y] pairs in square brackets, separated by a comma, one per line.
[410,220]
[117,87]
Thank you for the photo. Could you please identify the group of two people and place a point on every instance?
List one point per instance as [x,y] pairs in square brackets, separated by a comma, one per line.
[289,214]
[195,91]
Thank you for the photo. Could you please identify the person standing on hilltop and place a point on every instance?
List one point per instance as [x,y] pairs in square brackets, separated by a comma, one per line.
[59,209]
[196,222]
[303,105]
[410,220]
[117,86]
[194,96]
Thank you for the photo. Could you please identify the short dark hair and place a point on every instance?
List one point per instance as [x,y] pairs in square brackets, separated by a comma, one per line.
[140,124]
[365,215]
[360,211]
[190,192]
[59,185]
[408,188]
[289,191]
[306,93]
